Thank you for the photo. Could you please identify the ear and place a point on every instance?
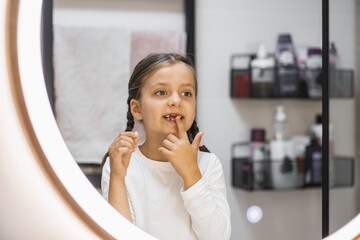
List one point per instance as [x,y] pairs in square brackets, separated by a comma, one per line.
[135,109]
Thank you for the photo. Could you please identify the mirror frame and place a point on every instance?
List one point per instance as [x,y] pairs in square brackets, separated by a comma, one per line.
[28,91]
[45,154]
[325,123]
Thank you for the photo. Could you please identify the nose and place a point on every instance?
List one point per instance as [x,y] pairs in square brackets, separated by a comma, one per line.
[175,100]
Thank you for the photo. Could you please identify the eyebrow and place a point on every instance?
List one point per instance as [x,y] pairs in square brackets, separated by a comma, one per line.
[165,84]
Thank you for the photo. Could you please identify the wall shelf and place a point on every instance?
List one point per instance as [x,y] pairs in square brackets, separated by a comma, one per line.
[287,174]
[308,82]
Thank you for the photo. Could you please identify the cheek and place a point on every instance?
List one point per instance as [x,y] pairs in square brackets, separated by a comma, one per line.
[152,112]
[191,114]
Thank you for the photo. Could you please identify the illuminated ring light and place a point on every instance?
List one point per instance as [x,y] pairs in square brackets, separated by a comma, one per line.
[33,109]
[26,80]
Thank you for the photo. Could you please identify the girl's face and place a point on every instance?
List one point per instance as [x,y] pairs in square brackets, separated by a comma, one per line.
[168,92]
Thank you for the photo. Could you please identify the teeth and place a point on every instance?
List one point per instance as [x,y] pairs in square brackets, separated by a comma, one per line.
[172,118]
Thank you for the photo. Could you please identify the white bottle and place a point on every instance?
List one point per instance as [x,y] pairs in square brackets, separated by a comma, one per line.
[262,74]
[262,60]
[280,124]
[281,149]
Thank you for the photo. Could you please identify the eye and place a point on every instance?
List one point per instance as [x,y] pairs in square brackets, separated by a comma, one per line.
[187,94]
[160,93]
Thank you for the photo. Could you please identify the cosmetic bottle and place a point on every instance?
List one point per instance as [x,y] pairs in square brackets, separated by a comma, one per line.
[287,81]
[302,53]
[282,154]
[280,127]
[258,158]
[313,159]
[299,144]
[313,74]
[257,140]
[262,74]
[316,129]
[283,174]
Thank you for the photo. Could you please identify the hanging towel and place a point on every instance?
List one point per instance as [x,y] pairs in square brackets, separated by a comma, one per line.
[146,42]
[91,74]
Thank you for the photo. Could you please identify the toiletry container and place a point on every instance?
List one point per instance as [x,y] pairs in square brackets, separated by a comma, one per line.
[316,130]
[287,83]
[302,53]
[258,158]
[313,163]
[240,75]
[313,74]
[241,84]
[262,74]
[299,145]
[283,167]
[280,126]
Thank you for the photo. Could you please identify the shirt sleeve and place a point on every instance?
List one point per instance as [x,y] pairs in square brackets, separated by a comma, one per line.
[207,204]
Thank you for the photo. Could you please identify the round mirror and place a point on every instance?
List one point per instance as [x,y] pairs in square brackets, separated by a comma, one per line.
[30,100]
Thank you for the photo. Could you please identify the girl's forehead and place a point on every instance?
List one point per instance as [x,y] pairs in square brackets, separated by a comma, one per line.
[179,73]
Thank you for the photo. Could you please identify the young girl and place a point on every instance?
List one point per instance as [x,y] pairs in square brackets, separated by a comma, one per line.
[166,186]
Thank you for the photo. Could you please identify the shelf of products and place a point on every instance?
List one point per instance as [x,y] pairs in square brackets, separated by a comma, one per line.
[286,82]
[288,174]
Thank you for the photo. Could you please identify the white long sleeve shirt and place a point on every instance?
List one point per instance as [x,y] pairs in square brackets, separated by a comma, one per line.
[160,206]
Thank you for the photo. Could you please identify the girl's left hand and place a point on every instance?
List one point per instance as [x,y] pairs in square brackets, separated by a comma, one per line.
[182,154]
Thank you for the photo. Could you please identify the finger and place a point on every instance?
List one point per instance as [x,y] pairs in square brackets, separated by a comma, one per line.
[121,150]
[197,140]
[168,145]
[181,128]
[133,135]
[124,143]
[165,152]
[128,139]
[128,134]
[172,138]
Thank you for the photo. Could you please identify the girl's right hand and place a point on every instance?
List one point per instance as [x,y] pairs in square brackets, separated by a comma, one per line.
[120,152]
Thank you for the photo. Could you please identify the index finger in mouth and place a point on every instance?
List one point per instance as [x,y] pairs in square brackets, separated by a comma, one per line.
[181,127]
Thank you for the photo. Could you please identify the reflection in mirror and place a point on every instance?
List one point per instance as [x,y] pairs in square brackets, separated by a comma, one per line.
[90,87]
[98,43]
[92,68]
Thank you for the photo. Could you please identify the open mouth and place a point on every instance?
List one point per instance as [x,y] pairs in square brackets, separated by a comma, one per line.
[172,116]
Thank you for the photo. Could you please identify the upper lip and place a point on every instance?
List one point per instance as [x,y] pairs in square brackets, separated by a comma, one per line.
[173,115]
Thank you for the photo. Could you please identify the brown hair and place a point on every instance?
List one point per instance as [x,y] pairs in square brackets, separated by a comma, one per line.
[141,72]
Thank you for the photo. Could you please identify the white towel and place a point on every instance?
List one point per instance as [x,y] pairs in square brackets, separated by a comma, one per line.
[91,74]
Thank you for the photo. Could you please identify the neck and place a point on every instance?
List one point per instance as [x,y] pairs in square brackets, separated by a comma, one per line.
[150,148]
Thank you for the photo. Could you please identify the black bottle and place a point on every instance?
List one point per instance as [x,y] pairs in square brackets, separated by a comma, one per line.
[313,157]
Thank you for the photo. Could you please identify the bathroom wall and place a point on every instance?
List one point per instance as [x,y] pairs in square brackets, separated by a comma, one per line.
[227,27]
[222,29]
[142,14]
